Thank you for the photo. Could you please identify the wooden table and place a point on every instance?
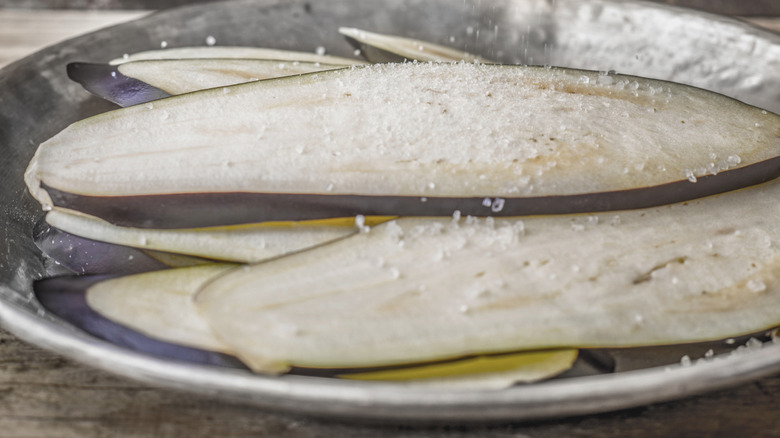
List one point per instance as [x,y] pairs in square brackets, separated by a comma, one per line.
[43,395]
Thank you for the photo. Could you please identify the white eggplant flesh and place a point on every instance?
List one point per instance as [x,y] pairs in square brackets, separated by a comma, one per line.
[178,76]
[378,47]
[159,305]
[483,139]
[241,244]
[234,52]
[426,289]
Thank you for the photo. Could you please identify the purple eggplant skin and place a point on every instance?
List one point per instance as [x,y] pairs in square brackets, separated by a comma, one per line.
[65,297]
[107,82]
[194,210]
[91,257]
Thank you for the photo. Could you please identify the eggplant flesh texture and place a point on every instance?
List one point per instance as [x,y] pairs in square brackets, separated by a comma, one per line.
[178,76]
[377,47]
[159,305]
[422,289]
[407,139]
[243,244]
[233,52]
[143,81]
[65,297]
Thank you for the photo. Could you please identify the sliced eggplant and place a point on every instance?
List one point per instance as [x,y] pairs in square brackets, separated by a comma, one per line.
[248,243]
[425,289]
[137,82]
[377,47]
[234,52]
[86,256]
[480,373]
[406,139]
[65,298]
[159,305]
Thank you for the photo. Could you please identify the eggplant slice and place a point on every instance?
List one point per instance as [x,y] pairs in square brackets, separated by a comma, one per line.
[65,297]
[242,244]
[422,289]
[137,82]
[233,52]
[406,139]
[159,305]
[91,257]
[377,47]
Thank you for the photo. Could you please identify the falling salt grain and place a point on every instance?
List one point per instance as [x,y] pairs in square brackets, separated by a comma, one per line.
[487,202]
[113,74]
[709,354]
[210,40]
[163,44]
[125,56]
[423,199]
[357,52]
[685,361]
[730,341]
[320,50]
[455,215]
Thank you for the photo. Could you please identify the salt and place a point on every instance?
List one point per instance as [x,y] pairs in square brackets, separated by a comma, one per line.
[756,286]
[497,205]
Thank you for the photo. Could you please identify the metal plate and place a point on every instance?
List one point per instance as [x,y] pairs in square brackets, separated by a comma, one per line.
[37,100]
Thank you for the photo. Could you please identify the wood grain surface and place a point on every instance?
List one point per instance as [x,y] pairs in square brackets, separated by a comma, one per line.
[44,395]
